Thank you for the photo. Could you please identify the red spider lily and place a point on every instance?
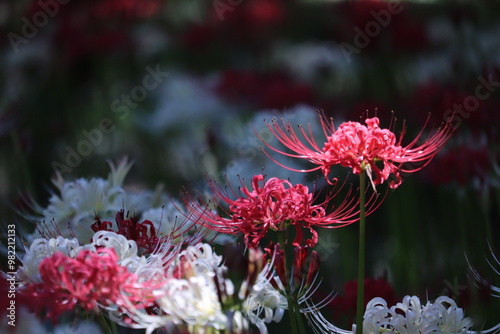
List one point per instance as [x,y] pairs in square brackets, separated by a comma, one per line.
[304,267]
[300,281]
[278,260]
[90,280]
[362,148]
[144,233]
[275,205]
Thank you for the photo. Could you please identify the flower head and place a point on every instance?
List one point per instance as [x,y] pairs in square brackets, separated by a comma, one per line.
[78,202]
[145,233]
[276,204]
[39,250]
[89,280]
[362,148]
[409,316]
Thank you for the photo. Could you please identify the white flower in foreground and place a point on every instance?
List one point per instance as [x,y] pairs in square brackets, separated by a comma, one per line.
[441,316]
[198,294]
[264,304]
[152,267]
[190,295]
[41,249]
[194,302]
[123,247]
[202,259]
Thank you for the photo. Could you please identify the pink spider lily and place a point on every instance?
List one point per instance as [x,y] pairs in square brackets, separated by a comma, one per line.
[91,280]
[360,147]
[276,204]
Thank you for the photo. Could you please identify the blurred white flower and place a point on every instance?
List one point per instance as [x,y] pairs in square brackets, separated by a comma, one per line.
[29,323]
[184,102]
[81,327]
[309,59]
[245,146]
[165,218]
[72,211]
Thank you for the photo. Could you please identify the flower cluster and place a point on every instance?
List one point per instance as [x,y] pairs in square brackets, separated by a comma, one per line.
[88,280]
[134,275]
[183,285]
[137,265]
[182,87]
[410,316]
[77,202]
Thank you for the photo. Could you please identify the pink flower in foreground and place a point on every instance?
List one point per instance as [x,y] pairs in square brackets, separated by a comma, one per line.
[90,280]
[362,148]
[275,205]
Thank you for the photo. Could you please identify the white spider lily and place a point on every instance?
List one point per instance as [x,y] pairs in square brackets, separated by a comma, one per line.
[202,258]
[193,301]
[441,316]
[123,247]
[79,201]
[41,249]
[408,317]
[264,304]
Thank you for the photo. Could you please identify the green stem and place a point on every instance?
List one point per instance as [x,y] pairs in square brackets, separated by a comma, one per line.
[281,242]
[104,324]
[361,256]
[300,321]
[114,328]
[291,314]
[296,321]
[291,302]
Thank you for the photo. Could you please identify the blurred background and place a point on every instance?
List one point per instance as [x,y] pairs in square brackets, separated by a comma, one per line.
[182,87]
